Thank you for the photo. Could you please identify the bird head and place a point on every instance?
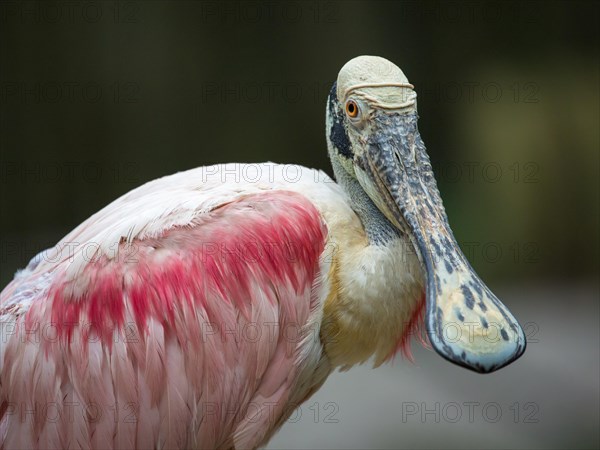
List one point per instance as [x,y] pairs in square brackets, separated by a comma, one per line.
[372,135]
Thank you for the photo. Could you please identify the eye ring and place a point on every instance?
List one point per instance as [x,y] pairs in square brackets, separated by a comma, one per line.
[352,109]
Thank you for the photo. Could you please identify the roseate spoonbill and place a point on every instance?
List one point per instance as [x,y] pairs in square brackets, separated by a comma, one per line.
[199,309]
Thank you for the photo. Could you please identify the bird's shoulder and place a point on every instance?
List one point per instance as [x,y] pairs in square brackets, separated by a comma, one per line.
[184,200]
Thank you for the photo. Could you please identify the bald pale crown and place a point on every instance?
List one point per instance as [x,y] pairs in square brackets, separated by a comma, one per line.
[377,81]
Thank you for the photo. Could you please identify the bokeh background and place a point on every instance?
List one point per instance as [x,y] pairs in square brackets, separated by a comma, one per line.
[98,97]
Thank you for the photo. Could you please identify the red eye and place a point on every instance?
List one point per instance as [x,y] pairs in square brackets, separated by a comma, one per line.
[351,109]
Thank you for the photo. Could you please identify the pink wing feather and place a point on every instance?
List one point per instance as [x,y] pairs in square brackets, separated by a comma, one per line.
[195,336]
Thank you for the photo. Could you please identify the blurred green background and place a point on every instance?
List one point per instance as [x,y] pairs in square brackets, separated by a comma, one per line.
[98,97]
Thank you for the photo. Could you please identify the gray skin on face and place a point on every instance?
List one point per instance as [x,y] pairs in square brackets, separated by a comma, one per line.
[380,160]
[378,228]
